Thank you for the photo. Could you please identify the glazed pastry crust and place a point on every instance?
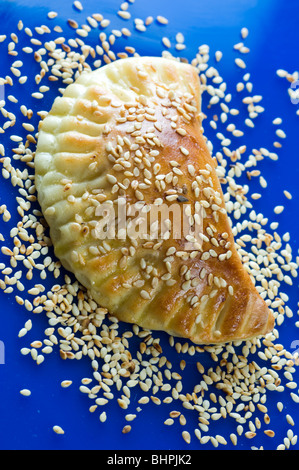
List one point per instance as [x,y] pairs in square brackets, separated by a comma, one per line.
[132,130]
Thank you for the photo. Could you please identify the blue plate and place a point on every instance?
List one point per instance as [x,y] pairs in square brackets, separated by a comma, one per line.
[27,422]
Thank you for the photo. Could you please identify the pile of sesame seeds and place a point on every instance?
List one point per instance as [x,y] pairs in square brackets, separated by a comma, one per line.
[242,377]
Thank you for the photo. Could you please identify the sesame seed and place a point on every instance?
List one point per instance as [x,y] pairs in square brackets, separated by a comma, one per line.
[22,332]
[78,5]
[249,122]
[25,392]
[37,95]
[244,33]
[166,42]
[269,432]
[184,151]
[287,194]
[162,20]
[263,182]
[180,47]
[105,23]
[290,420]
[103,417]
[124,14]
[240,63]
[130,417]
[52,14]
[58,429]
[66,383]
[218,56]
[278,209]
[186,436]
[280,133]
[126,429]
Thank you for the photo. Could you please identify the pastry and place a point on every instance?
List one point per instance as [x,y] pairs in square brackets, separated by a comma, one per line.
[124,143]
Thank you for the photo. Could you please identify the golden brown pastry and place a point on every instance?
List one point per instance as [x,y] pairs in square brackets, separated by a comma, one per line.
[129,136]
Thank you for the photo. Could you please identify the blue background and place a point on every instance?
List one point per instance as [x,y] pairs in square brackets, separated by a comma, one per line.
[26,422]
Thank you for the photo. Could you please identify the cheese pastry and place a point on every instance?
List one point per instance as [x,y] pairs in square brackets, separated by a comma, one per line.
[135,208]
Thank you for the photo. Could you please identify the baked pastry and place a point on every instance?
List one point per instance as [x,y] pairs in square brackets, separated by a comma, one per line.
[128,136]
